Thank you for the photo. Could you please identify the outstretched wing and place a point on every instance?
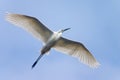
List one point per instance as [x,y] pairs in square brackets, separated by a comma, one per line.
[76,49]
[30,24]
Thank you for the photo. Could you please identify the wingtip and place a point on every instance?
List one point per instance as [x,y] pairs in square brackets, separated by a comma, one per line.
[7,16]
[10,17]
[92,64]
[95,65]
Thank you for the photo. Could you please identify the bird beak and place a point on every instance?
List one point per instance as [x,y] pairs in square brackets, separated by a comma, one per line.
[66,29]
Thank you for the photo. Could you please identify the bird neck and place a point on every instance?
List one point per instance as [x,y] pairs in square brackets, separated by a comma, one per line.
[57,35]
[54,37]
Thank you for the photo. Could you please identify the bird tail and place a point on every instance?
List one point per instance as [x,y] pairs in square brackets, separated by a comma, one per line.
[37,60]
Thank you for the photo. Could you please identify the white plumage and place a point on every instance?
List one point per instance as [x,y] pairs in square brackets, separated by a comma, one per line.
[52,39]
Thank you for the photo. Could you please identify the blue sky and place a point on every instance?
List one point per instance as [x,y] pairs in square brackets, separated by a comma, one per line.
[93,22]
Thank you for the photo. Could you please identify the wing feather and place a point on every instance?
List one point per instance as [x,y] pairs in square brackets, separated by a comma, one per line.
[77,50]
[30,24]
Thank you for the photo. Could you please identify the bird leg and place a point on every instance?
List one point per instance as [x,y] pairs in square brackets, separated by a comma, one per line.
[37,60]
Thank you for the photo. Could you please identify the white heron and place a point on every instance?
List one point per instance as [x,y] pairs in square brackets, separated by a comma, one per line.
[52,39]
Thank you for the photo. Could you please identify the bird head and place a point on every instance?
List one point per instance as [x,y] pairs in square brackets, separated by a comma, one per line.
[63,30]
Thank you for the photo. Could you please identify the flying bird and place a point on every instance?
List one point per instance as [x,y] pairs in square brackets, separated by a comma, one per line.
[52,39]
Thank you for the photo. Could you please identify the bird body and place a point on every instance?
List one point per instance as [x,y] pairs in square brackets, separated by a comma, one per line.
[52,39]
[51,42]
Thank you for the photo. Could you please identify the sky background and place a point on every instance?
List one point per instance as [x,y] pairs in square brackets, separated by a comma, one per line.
[95,23]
